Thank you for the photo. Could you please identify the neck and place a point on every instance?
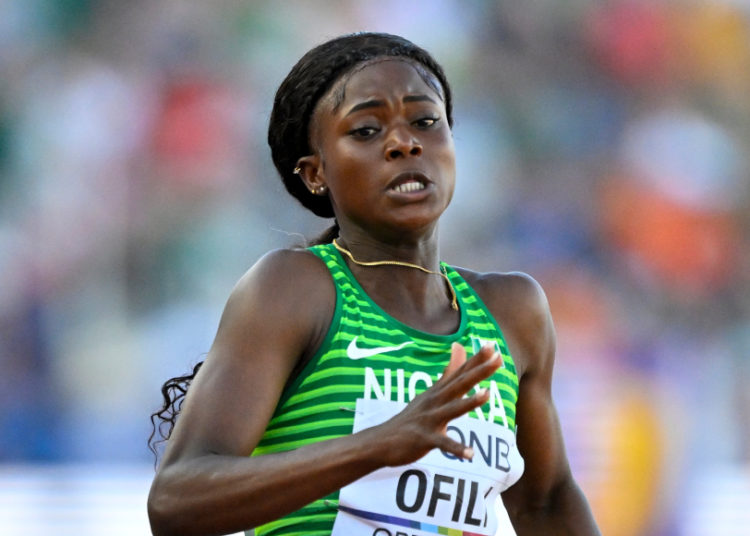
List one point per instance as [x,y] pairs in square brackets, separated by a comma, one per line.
[422,250]
[402,264]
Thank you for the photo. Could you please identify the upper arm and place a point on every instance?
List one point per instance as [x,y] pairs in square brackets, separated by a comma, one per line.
[275,315]
[521,308]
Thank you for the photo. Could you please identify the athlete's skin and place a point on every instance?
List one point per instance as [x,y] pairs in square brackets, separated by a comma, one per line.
[390,126]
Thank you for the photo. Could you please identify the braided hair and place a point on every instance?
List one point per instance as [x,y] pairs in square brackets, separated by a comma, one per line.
[289,138]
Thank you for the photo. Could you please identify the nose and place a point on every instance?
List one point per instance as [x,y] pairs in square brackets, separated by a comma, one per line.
[400,144]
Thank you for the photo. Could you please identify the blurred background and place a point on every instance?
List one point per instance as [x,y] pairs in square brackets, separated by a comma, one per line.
[603,147]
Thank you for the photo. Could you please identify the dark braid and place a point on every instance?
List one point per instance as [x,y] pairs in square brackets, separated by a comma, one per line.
[310,79]
[288,136]
[173,391]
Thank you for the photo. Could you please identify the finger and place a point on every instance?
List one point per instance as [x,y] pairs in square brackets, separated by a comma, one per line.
[487,350]
[459,361]
[441,415]
[450,446]
[480,367]
[458,358]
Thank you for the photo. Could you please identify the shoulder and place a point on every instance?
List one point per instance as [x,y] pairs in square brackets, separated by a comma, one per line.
[278,264]
[507,288]
[286,289]
[519,304]
[283,273]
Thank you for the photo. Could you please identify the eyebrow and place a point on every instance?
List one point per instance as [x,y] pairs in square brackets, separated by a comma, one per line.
[375,103]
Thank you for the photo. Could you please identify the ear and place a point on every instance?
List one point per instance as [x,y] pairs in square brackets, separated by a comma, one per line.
[311,172]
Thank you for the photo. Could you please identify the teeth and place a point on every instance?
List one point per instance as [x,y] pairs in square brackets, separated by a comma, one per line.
[409,187]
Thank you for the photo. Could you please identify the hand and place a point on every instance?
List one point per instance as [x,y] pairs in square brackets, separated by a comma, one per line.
[422,425]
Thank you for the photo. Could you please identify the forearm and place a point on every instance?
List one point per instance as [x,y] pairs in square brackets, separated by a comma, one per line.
[566,512]
[216,494]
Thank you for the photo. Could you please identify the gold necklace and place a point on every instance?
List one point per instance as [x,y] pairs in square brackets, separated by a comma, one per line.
[441,273]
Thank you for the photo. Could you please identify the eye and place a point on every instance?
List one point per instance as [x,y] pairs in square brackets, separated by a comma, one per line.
[426,122]
[363,132]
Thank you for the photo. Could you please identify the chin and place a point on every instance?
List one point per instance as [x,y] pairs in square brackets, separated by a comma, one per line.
[418,223]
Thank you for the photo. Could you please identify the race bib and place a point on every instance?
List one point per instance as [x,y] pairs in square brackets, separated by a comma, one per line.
[438,494]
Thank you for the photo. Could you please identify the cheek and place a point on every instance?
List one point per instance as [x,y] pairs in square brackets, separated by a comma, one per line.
[447,159]
[350,161]
[447,155]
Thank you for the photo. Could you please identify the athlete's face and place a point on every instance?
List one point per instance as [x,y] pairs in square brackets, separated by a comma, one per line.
[384,151]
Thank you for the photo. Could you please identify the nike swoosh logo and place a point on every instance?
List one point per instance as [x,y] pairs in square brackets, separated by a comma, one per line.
[355,352]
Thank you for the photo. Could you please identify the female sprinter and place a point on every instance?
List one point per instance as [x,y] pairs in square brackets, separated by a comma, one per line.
[361,386]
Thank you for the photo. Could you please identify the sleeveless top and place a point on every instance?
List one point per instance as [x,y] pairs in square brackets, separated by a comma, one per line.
[368,367]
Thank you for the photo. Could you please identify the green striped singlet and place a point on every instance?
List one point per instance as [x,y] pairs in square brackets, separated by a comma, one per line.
[319,404]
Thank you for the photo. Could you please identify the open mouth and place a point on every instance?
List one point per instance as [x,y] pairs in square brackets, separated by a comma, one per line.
[409,182]
[407,187]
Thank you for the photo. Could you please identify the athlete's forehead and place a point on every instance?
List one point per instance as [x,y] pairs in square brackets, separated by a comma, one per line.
[392,78]
[378,75]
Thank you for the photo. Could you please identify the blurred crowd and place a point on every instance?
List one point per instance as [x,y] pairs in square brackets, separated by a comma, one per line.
[602,146]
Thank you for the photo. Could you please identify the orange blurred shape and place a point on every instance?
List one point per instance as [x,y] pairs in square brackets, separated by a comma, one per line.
[686,246]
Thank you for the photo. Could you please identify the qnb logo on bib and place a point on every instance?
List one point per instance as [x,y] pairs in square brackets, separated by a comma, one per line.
[440,493]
